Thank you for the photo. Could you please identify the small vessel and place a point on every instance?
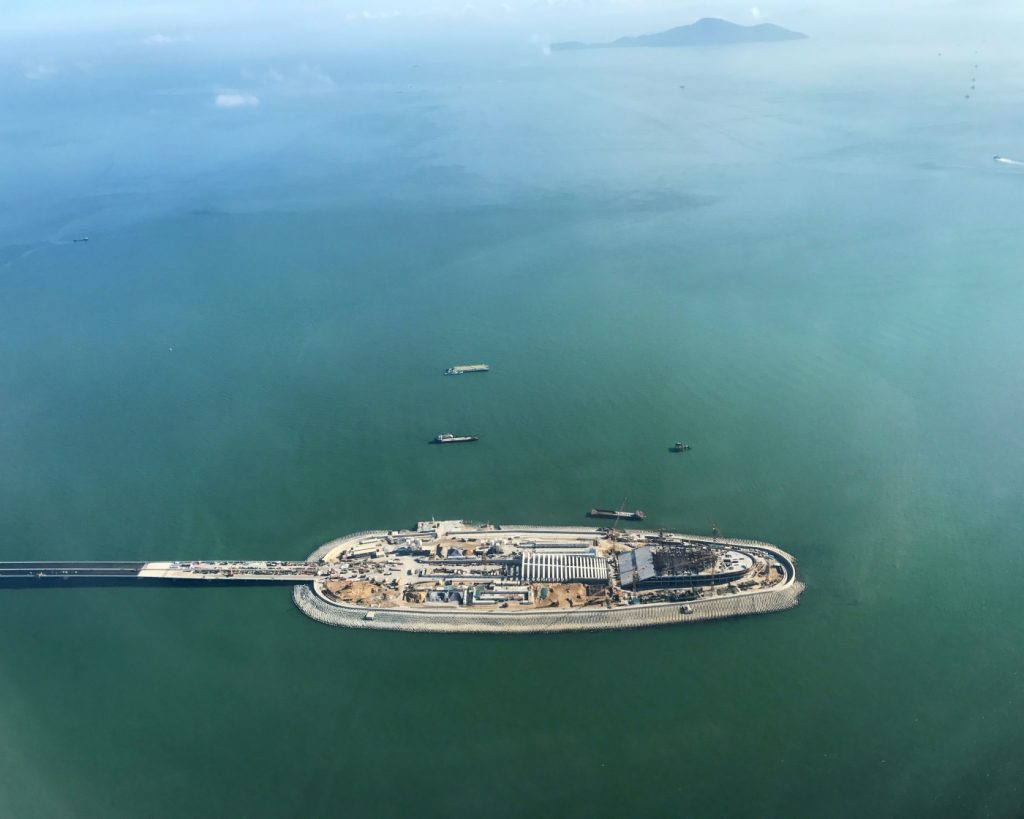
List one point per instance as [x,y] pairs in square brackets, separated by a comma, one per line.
[81,239]
[679,446]
[621,515]
[459,369]
[449,438]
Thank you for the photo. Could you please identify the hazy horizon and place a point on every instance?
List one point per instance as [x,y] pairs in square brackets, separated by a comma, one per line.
[111,105]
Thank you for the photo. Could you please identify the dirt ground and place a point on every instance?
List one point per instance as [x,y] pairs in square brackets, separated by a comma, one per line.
[566,595]
[359,592]
[363,593]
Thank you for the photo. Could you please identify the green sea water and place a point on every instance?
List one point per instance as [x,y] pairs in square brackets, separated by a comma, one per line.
[816,284]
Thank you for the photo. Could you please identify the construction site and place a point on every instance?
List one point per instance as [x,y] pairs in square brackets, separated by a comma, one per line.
[460,567]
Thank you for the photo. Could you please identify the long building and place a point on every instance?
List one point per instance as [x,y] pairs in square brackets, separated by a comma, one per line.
[556,567]
[648,567]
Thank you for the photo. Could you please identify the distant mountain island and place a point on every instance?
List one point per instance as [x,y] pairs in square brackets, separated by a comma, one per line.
[710,31]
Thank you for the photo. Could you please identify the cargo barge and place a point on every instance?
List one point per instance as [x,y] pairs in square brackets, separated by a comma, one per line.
[449,438]
[460,369]
[621,515]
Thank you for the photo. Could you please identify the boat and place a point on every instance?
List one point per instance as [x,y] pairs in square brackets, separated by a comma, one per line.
[449,438]
[621,515]
[459,369]
[680,447]
[81,239]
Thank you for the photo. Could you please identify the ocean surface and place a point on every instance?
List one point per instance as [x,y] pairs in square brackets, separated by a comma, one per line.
[809,268]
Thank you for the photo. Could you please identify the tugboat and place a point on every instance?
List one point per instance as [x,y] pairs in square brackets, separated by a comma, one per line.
[680,447]
[449,438]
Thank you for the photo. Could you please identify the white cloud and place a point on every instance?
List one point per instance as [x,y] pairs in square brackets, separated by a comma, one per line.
[166,39]
[755,12]
[366,14]
[40,71]
[236,99]
[303,79]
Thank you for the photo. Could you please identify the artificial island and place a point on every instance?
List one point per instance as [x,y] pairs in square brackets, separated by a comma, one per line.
[457,576]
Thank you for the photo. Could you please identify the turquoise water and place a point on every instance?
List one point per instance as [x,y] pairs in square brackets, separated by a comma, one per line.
[811,275]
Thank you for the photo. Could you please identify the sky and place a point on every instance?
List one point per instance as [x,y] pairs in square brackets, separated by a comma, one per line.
[51,40]
[317,20]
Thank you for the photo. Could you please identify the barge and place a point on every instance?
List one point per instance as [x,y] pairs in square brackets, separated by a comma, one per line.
[619,515]
[449,438]
[460,369]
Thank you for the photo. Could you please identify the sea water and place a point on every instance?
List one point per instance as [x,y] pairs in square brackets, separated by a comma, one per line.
[806,267]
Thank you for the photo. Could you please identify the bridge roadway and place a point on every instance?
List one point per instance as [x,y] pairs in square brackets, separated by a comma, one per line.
[268,571]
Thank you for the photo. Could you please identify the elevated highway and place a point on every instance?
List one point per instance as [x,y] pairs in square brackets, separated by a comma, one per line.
[114,572]
[69,569]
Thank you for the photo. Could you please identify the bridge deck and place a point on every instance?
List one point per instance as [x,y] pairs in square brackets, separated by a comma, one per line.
[70,568]
[250,570]
[279,571]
